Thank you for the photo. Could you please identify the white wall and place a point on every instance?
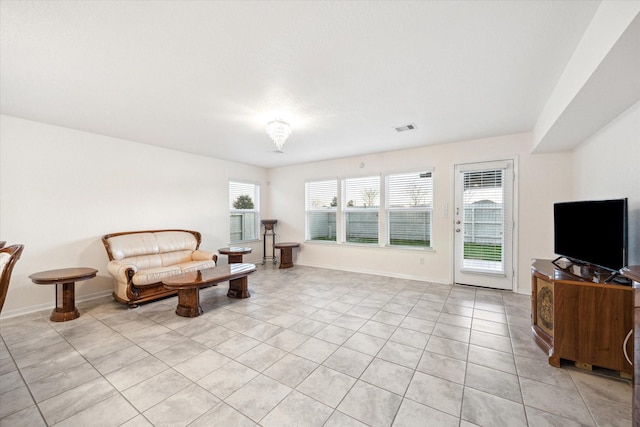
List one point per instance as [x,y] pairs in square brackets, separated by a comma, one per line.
[604,62]
[607,166]
[62,189]
[542,178]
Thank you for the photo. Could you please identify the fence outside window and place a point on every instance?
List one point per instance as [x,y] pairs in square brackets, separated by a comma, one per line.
[244,211]
[243,226]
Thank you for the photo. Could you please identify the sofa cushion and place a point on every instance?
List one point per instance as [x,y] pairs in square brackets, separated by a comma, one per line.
[145,262]
[197,265]
[173,241]
[177,257]
[131,245]
[154,275]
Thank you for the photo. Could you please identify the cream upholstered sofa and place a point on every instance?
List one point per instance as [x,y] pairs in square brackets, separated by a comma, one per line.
[139,260]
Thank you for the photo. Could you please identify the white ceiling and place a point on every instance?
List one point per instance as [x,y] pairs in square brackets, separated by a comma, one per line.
[205,77]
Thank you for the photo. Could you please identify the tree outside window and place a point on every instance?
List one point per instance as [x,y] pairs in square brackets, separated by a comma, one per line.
[243,201]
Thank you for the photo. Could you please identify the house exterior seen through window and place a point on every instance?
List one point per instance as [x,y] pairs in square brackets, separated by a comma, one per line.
[244,209]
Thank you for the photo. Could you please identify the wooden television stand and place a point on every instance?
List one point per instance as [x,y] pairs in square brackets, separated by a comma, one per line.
[587,322]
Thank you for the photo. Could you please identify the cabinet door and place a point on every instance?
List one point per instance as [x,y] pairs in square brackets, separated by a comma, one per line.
[636,362]
[544,305]
[591,324]
[542,315]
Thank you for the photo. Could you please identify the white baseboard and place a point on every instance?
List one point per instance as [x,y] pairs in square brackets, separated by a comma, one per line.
[380,273]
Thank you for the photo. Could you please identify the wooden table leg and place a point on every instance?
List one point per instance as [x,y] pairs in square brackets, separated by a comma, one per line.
[189,302]
[67,293]
[239,288]
[286,257]
[235,258]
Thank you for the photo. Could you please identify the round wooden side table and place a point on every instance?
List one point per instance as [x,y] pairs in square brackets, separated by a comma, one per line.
[235,253]
[286,253]
[64,279]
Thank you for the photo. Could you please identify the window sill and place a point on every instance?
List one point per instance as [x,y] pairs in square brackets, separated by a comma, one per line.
[372,246]
[240,242]
[412,248]
[321,242]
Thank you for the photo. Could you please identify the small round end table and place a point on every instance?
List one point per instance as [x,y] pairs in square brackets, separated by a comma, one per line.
[64,279]
[286,253]
[235,253]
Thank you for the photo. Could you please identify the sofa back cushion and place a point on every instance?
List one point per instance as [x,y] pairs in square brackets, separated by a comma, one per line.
[177,257]
[172,241]
[146,248]
[145,262]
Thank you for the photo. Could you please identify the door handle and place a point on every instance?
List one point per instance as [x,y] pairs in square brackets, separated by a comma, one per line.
[458,222]
[457,230]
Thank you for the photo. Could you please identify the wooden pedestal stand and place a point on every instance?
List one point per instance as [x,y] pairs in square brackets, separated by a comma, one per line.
[269,231]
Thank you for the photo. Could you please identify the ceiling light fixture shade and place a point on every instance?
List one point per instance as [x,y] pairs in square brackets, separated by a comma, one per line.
[278,131]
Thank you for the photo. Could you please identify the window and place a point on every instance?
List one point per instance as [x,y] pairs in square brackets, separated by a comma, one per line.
[360,206]
[321,206]
[244,208]
[409,205]
[484,220]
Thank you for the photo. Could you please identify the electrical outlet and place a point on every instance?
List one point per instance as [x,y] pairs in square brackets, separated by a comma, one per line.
[421,260]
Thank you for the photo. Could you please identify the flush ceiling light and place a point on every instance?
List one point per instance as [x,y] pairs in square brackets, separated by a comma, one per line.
[278,131]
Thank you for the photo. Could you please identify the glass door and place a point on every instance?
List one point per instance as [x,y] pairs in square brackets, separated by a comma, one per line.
[484,224]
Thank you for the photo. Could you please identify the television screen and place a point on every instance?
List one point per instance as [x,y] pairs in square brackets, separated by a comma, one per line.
[592,232]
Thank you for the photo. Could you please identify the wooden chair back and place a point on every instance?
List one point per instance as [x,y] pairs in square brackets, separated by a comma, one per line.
[14,252]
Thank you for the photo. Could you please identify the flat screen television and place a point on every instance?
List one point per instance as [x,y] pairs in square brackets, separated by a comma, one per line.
[592,232]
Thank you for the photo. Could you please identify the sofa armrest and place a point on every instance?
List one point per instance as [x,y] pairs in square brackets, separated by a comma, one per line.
[121,271]
[200,255]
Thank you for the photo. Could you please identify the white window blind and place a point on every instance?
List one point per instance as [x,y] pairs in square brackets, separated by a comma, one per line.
[321,201]
[361,206]
[244,203]
[409,206]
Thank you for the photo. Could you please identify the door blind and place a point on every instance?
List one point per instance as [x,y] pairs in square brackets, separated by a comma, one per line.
[484,221]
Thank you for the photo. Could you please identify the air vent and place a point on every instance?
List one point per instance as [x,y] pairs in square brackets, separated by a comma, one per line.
[405,128]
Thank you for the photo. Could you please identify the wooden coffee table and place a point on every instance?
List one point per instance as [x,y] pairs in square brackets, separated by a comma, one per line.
[188,285]
[235,253]
[64,279]
[286,253]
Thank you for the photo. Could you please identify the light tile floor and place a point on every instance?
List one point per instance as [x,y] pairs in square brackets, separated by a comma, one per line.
[311,347]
